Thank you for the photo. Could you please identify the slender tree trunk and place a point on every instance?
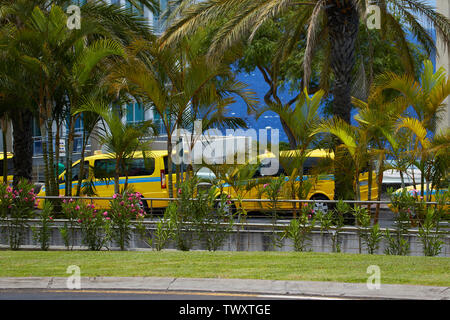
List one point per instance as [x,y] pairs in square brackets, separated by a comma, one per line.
[51,159]
[117,176]
[69,156]
[290,135]
[22,121]
[5,149]
[169,164]
[81,173]
[380,186]
[48,190]
[57,156]
[369,181]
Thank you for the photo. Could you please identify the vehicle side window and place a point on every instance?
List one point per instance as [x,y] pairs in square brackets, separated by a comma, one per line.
[104,168]
[267,163]
[76,171]
[174,168]
[141,167]
[10,164]
[309,164]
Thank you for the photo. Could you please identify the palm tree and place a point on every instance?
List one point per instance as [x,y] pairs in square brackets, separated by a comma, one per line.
[56,58]
[302,121]
[120,139]
[379,119]
[355,140]
[17,18]
[179,84]
[426,98]
[337,21]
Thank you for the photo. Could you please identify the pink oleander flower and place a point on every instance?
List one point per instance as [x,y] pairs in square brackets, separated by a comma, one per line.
[77,207]
[114,196]
[108,218]
[122,203]
[179,191]
[265,185]
[105,213]
[228,196]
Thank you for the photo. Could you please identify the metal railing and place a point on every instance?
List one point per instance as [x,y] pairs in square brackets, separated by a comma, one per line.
[259,212]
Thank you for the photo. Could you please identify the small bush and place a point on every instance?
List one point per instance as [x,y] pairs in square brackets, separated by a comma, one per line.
[43,232]
[124,208]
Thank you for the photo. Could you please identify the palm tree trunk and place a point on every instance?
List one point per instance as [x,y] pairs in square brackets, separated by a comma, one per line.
[117,175]
[5,149]
[22,121]
[69,152]
[81,173]
[343,23]
[51,159]
[379,185]
[45,158]
[169,165]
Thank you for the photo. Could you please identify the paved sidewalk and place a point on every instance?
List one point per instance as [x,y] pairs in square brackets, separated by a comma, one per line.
[278,287]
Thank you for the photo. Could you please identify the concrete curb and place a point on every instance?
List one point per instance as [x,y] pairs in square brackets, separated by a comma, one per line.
[269,287]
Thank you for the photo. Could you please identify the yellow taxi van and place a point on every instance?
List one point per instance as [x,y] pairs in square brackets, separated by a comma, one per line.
[147,174]
[322,184]
[10,164]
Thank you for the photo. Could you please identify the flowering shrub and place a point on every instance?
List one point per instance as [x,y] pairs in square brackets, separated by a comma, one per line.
[70,213]
[94,225]
[17,204]
[124,208]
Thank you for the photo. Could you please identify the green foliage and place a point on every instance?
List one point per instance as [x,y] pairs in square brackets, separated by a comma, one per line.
[429,233]
[42,233]
[17,208]
[94,225]
[163,232]
[273,191]
[299,229]
[403,205]
[373,238]
[123,208]
[332,223]
[68,230]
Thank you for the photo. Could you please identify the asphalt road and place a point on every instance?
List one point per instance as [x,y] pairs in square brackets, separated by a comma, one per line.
[39,294]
